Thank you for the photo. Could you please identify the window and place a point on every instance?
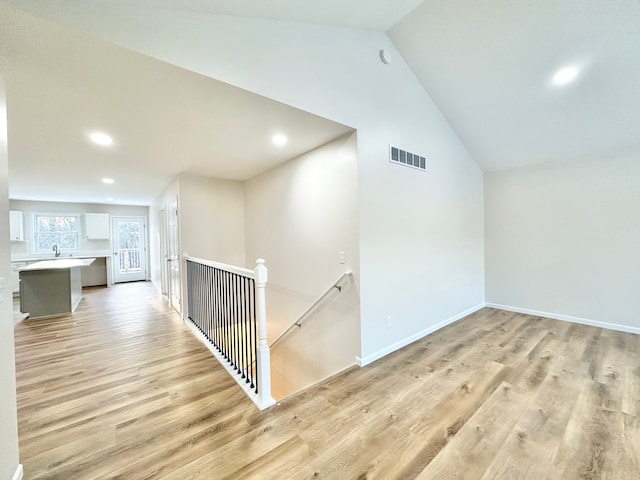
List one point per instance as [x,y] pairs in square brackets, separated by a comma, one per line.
[56,229]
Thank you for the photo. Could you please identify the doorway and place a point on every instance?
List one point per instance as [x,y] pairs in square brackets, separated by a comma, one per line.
[129,259]
[174,255]
[163,250]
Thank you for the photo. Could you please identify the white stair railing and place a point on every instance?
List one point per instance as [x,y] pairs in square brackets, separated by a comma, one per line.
[226,308]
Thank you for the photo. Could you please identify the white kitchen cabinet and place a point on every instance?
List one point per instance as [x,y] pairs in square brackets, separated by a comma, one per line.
[15,276]
[16,226]
[96,226]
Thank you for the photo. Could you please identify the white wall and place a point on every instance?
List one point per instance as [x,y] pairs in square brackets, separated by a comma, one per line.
[168,195]
[421,233]
[211,214]
[8,413]
[25,249]
[565,240]
[299,216]
[212,218]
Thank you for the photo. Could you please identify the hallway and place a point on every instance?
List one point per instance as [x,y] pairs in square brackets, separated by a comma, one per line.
[121,389]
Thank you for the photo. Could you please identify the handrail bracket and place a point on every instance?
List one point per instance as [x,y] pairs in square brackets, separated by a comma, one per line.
[298,322]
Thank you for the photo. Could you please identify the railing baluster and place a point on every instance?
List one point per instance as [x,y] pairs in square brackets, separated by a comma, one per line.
[254,334]
[211,299]
[245,338]
[222,305]
[218,309]
[216,301]
[225,319]
[228,314]
[232,287]
[235,320]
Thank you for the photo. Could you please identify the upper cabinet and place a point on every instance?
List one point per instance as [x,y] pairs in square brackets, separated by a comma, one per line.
[96,226]
[16,226]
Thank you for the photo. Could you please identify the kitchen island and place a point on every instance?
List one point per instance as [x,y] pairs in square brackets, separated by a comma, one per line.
[51,287]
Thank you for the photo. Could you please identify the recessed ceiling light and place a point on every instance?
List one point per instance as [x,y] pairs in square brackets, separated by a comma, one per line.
[109,199]
[279,140]
[102,139]
[107,180]
[565,75]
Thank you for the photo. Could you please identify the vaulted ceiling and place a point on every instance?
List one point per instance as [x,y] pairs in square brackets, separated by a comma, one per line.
[488,65]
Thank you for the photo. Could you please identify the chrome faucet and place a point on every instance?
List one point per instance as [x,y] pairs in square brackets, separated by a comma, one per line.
[55,249]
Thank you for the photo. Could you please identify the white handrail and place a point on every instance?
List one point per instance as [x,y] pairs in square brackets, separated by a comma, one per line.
[245,272]
[298,322]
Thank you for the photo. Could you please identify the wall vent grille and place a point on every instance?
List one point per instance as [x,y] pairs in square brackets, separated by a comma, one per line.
[408,159]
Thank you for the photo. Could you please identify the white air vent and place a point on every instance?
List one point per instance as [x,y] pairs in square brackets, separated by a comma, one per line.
[408,159]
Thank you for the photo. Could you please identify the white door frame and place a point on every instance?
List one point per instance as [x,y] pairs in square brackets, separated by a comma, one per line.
[115,259]
[163,251]
[173,258]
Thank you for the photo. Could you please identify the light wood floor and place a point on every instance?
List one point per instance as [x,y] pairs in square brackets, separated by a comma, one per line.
[122,390]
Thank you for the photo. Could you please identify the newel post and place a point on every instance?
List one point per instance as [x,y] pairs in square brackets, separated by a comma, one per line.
[264,358]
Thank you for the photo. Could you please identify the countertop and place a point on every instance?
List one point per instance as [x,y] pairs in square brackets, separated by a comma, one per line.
[61,257]
[58,264]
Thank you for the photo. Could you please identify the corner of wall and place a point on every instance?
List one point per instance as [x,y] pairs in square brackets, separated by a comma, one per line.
[9,454]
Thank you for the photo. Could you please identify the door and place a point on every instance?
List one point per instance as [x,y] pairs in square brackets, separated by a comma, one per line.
[173,259]
[163,250]
[129,249]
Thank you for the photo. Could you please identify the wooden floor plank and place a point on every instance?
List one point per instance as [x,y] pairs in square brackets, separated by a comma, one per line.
[122,389]
[468,454]
[590,445]
[531,446]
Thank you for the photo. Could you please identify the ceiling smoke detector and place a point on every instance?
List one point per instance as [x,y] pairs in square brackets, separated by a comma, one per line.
[385,57]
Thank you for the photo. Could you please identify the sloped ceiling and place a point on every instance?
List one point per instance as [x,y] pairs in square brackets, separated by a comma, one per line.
[486,64]
[376,15]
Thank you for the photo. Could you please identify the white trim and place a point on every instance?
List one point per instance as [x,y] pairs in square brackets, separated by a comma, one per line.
[567,318]
[416,336]
[221,266]
[34,231]
[19,473]
[144,249]
[255,398]
[314,384]
[19,317]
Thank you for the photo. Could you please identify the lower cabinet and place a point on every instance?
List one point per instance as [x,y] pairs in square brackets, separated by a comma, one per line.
[93,275]
[15,276]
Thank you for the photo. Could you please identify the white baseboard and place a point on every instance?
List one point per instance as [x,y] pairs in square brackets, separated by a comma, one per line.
[362,361]
[19,473]
[324,379]
[566,318]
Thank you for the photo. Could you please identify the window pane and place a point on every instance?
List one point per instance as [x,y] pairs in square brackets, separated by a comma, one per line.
[60,230]
[45,241]
[128,234]
[67,241]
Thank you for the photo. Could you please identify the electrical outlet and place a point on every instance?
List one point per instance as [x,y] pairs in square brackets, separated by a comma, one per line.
[389,321]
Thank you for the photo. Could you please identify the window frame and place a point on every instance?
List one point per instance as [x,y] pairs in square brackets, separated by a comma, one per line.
[35,233]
